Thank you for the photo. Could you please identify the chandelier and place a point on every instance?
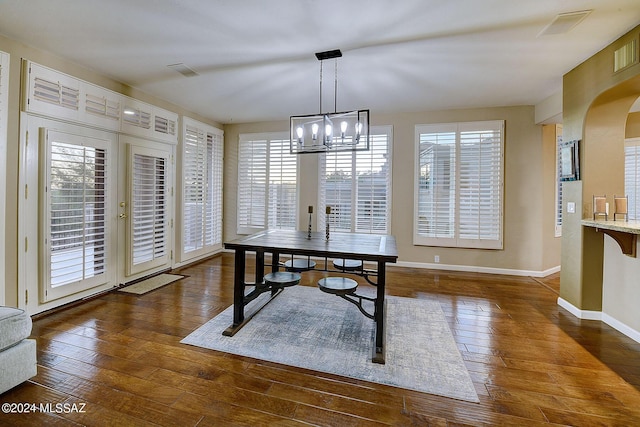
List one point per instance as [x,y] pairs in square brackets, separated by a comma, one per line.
[325,132]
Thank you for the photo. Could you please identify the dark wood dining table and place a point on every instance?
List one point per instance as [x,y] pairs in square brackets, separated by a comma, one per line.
[369,248]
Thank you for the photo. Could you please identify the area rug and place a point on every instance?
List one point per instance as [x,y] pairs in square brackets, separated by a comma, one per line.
[306,328]
[151,284]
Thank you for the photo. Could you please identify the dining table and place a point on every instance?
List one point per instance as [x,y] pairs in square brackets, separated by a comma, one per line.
[375,251]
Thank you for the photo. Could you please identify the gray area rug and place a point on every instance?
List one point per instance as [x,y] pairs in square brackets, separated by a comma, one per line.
[306,328]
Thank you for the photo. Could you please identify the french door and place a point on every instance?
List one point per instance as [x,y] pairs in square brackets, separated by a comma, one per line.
[95,210]
[147,209]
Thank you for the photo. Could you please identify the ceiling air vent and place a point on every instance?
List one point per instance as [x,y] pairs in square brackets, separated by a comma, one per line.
[625,56]
[564,22]
[183,69]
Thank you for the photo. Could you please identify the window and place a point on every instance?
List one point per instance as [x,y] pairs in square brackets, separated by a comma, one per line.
[267,183]
[357,187]
[4,84]
[458,185]
[202,189]
[150,200]
[632,176]
[75,220]
[558,216]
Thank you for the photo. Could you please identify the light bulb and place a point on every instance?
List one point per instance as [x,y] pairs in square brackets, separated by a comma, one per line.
[314,131]
[299,132]
[358,130]
[343,128]
[327,133]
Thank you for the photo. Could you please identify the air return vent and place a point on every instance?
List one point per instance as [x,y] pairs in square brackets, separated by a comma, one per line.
[564,22]
[625,56]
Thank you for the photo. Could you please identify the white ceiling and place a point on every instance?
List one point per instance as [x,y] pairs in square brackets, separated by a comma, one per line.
[255,59]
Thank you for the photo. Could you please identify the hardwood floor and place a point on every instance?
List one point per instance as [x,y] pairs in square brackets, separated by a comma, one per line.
[118,359]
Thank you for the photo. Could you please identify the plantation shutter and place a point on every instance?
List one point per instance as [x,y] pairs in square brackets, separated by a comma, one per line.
[213,212]
[76,226]
[632,177]
[338,190]
[558,227]
[436,186]
[282,185]
[4,86]
[357,187]
[149,208]
[267,183]
[459,185]
[252,181]
[480,182]
[202,189]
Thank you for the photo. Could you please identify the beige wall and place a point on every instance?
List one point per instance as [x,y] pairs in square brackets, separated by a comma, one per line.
[632,128]
[18,51]
[596,104]
[529,241]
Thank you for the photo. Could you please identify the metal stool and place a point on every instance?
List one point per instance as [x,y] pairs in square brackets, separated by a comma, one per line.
[281,279]
[299,264]
[337,285]
[348,264]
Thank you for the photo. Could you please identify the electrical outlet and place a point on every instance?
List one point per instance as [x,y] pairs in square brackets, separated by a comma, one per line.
[436,258]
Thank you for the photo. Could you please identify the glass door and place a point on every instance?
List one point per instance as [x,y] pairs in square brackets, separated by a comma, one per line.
[147,210]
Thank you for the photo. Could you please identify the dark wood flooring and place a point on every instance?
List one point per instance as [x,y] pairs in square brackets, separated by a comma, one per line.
[118,359]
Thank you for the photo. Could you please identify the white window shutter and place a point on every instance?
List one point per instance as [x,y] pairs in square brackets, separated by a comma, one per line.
[436,205]
[632,177]
[357,187]
[267,183]
[202,189]
[459,185]
[282,185]
[149,208]
[75,222]
[213,212]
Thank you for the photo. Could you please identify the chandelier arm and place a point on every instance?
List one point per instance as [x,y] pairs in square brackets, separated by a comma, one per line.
[320,111]
[335,88]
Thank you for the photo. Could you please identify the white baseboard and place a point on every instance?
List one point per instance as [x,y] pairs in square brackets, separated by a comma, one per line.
[478,269]
[467,268]
[618,325]
[604,317]
[580,314]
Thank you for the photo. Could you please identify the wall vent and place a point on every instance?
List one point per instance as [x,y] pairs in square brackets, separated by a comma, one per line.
[625,56]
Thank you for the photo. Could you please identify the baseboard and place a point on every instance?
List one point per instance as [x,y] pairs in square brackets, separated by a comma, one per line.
[622,327]
[478,269]
[604,317]
[580,314]
[466,268]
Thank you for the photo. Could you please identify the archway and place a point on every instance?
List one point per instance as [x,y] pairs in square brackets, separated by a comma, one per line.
[602,172]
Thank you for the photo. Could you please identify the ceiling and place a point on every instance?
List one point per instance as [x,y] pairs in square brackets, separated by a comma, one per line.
[255,59]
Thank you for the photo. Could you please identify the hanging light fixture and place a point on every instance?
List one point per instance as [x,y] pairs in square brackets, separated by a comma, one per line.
[324,132]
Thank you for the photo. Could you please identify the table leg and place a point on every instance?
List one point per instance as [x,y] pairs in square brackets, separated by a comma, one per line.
[240,302]
[259,267]
[238,292]
[379,315]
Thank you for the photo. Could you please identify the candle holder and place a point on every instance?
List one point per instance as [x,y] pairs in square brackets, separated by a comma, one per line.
[328,211]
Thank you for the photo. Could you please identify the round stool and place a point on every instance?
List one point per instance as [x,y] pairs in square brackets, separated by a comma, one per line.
[282,279]
[337,285]
[347,264]
[299,264]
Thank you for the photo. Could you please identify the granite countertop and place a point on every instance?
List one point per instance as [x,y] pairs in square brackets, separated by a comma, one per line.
[632,227]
